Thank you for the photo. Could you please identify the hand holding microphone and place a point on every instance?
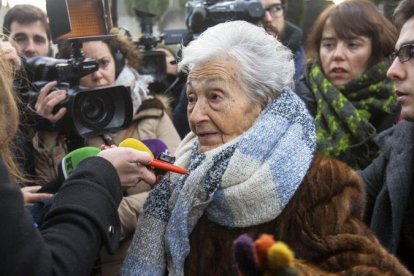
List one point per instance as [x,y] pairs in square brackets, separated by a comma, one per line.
[130,165]
[130,160]
[159,164]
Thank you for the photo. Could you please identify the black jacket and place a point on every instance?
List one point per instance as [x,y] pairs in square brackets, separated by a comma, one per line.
[291,36]
[82,218]
[389,183]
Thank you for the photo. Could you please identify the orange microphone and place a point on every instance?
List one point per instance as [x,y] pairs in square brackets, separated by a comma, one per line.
[138,145]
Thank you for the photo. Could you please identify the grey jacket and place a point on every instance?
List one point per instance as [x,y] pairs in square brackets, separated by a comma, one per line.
[388,182]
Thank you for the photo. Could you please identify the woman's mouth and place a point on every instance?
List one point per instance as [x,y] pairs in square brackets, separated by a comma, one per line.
[206,135]
[338,70]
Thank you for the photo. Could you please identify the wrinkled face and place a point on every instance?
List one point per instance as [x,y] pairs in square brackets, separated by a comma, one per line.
[99,51]
[343,59]
[219,110]
[31,38]
[403,73]
[273,20]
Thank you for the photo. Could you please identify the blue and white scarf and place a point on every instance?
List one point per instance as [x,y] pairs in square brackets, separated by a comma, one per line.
[247,181]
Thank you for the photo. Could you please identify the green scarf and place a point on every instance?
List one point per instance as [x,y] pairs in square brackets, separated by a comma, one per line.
[344,130]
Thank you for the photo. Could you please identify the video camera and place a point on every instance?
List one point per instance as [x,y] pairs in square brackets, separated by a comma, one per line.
[153,62]
[202,14]
[90,112]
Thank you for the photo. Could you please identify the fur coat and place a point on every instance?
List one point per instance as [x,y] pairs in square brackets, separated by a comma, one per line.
[322,223]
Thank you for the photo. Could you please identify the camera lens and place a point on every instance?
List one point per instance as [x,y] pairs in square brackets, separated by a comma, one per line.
[96,111]
[93,110]
[100,110]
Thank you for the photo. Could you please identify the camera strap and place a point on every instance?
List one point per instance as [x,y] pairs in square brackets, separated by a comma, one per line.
[130,130]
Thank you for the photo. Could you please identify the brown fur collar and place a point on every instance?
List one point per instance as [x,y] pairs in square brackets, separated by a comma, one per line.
[322,223]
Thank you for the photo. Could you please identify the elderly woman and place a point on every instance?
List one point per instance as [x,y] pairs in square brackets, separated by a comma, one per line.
[251,168]
[345,87]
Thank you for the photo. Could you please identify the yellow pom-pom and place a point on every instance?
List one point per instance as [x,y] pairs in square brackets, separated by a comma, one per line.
[280,256]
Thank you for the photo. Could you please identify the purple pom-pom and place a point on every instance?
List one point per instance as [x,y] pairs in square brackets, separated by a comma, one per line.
[243,253]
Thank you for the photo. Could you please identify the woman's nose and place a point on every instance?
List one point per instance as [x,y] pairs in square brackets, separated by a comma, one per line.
[198,113]
[339,52]
[97,75]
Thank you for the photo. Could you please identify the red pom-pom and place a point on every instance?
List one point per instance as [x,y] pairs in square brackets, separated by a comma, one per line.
[261,245]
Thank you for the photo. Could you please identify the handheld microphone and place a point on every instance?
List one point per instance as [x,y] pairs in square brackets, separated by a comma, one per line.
[73,158]
[138,145]
[160,150]
[156,146]
[135,144]
[66,167]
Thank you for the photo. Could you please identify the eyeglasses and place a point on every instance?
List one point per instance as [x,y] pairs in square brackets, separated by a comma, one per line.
[275,10]
[405,53]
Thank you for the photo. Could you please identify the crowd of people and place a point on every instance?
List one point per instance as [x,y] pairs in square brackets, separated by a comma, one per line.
[310,143]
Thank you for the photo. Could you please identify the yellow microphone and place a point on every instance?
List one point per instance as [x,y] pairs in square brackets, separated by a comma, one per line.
[138,145]
[135,144]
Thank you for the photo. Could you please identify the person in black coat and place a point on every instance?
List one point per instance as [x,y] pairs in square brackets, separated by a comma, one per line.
[83,216]
[389,180]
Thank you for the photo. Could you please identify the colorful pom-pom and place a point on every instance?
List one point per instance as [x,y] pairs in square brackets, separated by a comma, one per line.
[280,256]
[243,253]
[261,246]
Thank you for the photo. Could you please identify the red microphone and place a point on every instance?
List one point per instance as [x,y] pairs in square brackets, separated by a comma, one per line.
[138,145]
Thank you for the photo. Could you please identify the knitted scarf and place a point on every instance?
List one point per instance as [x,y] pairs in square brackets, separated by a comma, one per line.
[247,181]
[343,113]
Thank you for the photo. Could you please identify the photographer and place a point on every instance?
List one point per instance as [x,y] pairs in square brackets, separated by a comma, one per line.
[79,223]
[115,56]
[118,60]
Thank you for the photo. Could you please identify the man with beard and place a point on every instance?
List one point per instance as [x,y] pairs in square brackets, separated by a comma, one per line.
[289,34]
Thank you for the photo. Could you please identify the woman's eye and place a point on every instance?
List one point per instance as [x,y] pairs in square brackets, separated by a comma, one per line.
[327,45]
[215,97]
[103,63]
[190,99]
[353,45]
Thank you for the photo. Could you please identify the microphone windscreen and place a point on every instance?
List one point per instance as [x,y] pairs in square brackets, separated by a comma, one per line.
[72,159]
[156,146]
[135,144]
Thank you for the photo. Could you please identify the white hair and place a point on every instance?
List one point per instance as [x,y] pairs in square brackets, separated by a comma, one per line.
[266,66]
